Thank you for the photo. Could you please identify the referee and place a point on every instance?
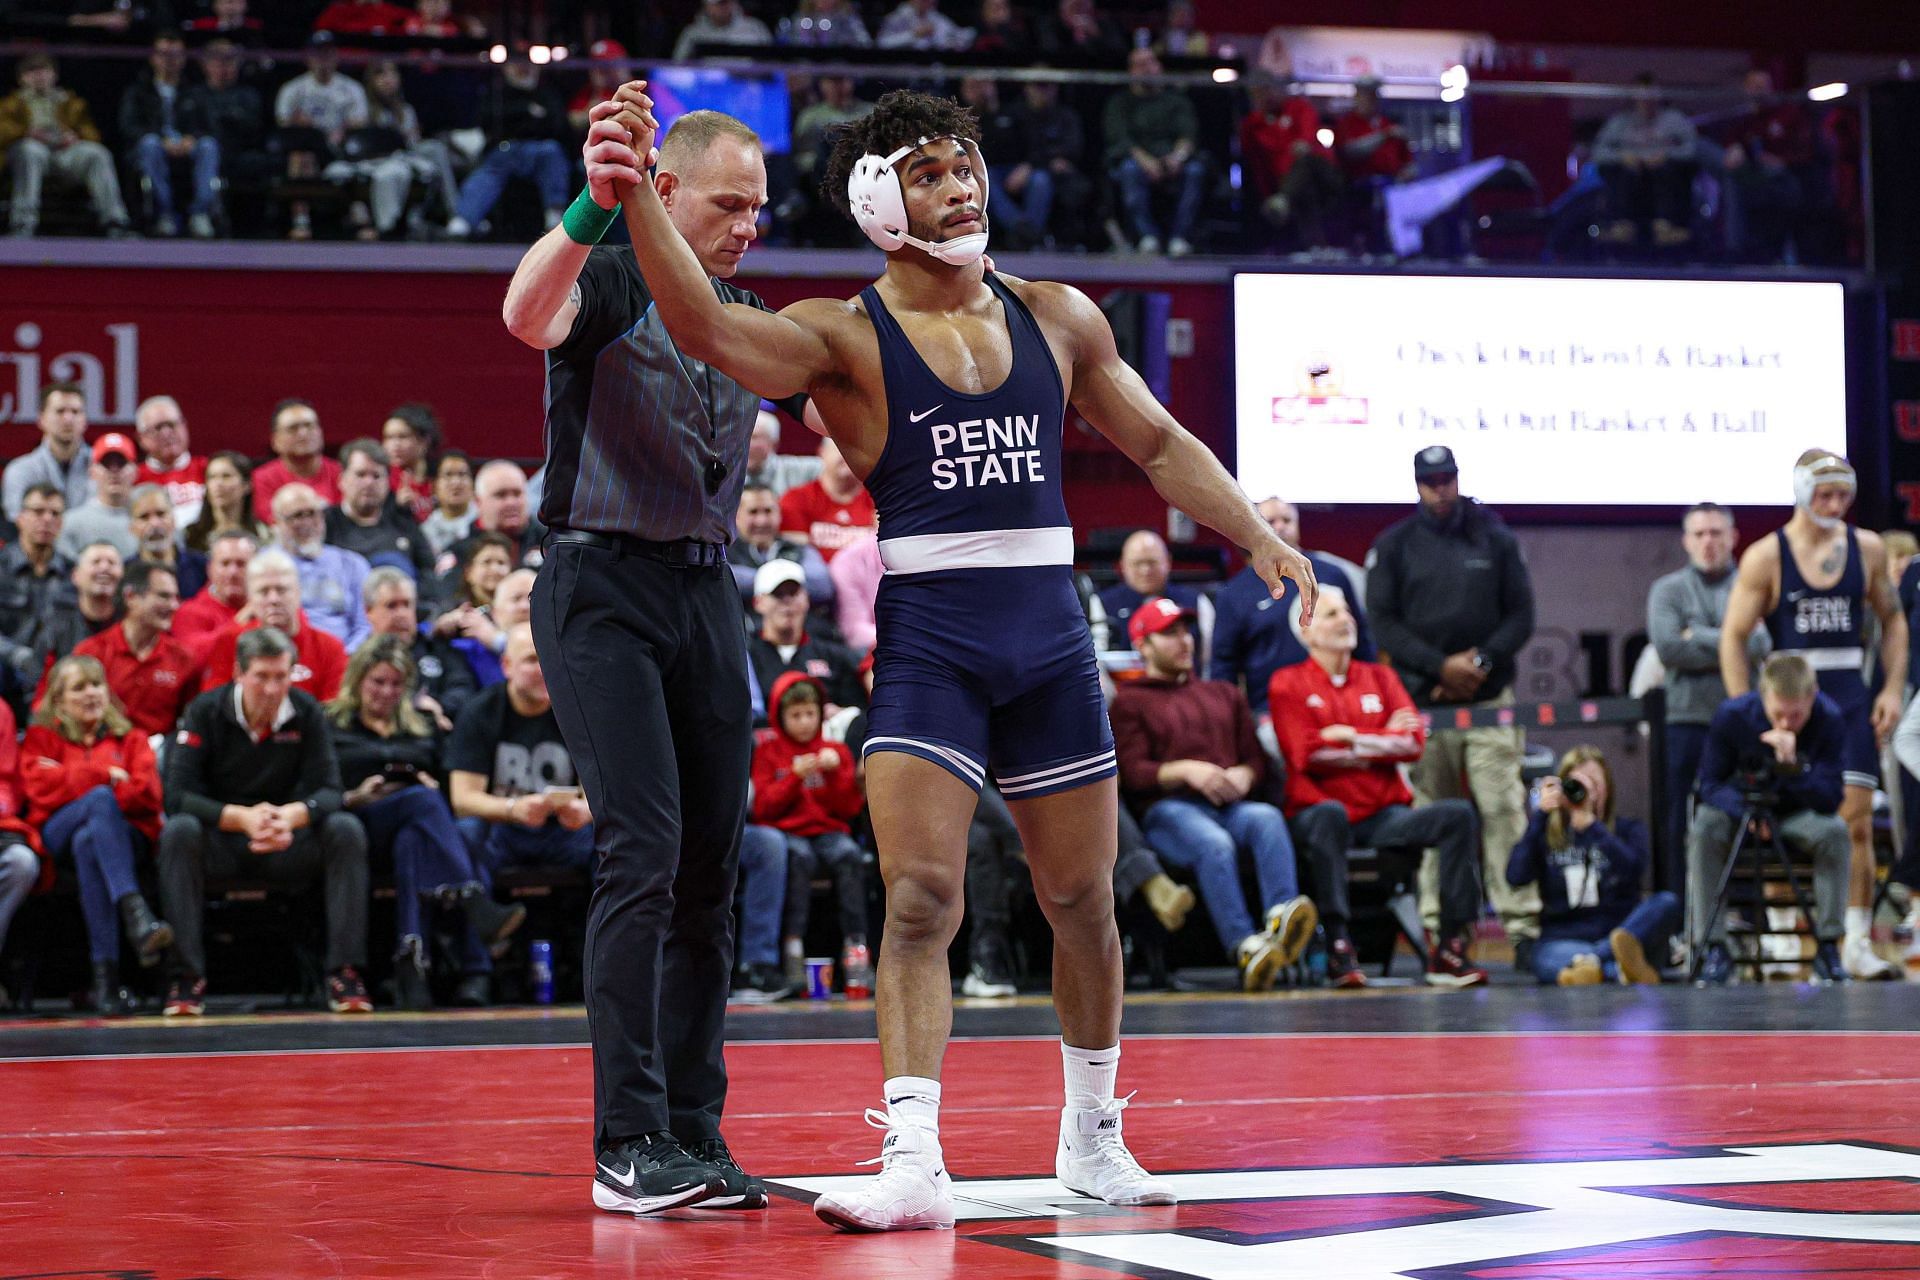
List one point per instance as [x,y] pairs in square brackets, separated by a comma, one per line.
[638,626]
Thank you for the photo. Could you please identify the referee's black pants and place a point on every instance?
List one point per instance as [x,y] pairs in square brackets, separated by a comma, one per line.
[647,669]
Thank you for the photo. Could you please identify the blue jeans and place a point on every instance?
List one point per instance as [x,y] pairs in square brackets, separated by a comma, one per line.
[97,836]
[540,162]
[1654,922]
[837,852]
[1136,194]
[156,166]
[497,845]
[1208,841]
[762,892]
[429,852]
[1028,212]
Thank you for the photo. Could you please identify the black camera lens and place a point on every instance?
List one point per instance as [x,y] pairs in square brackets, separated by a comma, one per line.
[1574,790]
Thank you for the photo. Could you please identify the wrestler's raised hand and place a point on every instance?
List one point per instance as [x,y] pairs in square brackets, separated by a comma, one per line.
[612,163]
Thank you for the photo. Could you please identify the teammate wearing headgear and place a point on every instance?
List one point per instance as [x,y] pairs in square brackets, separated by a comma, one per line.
[945,386]
[1811,584]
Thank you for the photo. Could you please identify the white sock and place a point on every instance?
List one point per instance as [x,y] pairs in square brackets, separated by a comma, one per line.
[1859,922]
[914,1100]
[1090,1074]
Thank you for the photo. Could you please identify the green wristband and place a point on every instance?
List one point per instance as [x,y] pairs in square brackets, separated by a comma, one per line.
[586,221]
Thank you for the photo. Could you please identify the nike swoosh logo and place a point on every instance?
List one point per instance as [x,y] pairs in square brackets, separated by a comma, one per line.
[626,1181]
[915,417]
[1795,596]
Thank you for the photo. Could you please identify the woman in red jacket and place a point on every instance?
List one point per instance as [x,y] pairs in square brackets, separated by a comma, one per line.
[93,788]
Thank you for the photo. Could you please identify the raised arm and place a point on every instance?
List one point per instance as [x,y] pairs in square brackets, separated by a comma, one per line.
[1752,590]
[773,355]
[1111,396]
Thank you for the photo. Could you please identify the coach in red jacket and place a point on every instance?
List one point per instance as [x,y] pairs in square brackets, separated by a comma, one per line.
[1345,727]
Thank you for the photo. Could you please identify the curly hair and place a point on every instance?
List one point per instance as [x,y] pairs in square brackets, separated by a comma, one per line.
[900,117]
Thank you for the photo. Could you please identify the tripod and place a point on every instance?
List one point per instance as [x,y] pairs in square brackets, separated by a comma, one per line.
[1757,839]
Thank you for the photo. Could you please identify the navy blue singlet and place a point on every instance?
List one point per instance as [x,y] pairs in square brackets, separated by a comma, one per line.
[1828,629]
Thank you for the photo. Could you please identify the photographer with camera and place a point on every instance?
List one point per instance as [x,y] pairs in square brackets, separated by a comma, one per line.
[1772,763]
[1589,864]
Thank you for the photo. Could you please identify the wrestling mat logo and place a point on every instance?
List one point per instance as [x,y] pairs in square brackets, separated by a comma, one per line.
[1445,1219]
[1319,401]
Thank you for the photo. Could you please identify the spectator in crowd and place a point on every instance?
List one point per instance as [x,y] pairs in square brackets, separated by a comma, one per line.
[1026,193]
[47,130]
[856,573]
[107,516]
[363,18]
[166,459]
[1146,567]
[393,157]
[94,606]
[485,640]
[1451,601]
[273,600]
[523,120]
[1779,195]
[720,22]
[1790,735]
[205,617]
[443,682]
[22,869]
[1180,35]
[919,24]
[824,24]
[1292,173]
[782,644]
[1684,610]
[830,512]
[767,467]
[1153,137]
[61,458]
[513,783]
[368,522]
[158,544]
[1646,159]
[314,111]
[1589,863]
[149,672]
[604,76]
[809,789]
[1077,34]
[33,574]
[761,893]
[500,506]
[163,120]
[227,20]
[1189,761]
[1345,726]
[411,435]
[453,512]
[1370,143]
[236,117]
[758,521]
[470,626]
[836,105]
[1003,34]
[389,768]
[253,788]
[436,20]
[93,789]
[228,505]
[330,577]
[300,454]
[1254,635]
[1056,148]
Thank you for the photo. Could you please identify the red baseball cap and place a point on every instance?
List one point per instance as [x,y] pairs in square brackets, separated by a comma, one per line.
[606,49]
[114,442]
[1155,616]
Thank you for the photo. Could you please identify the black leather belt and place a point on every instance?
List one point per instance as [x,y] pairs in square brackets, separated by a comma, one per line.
[686,553]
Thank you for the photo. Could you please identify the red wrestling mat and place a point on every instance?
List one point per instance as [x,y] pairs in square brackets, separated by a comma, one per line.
[1334,1157]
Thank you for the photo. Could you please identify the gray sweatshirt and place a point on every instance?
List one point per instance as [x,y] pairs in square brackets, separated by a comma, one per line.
[1688,601]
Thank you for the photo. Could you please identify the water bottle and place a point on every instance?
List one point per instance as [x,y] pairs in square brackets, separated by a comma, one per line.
[1317,958]
[540,962]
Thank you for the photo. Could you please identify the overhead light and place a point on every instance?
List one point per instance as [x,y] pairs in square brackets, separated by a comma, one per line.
[1454,77]
[1452,95]
[539,55]
[497,54]
[1325,136]
[1225,75]
[559,53]
[1827,92]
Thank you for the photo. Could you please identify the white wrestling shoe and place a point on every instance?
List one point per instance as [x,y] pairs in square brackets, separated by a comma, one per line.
[1093,1160]
[912,1191]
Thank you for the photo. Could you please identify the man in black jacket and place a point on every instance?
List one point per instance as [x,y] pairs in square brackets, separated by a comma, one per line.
[253,790]
[163,120]
[523,119]
[368,521]
[1452,606]
[782,643]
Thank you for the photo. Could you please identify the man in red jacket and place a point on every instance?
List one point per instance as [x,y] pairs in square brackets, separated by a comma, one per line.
[273,600]
[152,674]
[809,789]
[1189,758]
[1345,727]
[202,619]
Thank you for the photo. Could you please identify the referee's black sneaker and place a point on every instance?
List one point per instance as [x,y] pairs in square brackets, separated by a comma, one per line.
[651,1173]
[743,1191]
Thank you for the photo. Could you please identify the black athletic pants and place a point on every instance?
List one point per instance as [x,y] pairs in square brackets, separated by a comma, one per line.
[648,672]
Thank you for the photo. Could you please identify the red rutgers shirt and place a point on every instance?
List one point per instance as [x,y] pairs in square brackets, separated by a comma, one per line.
[1362,775]
[829,525]
[154,689]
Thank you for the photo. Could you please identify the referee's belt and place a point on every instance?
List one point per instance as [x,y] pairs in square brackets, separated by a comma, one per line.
[684,553]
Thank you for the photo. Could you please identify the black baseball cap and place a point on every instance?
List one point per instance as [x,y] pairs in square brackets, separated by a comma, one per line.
[1434,461]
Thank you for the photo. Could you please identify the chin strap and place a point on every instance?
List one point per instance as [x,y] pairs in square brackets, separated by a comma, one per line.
[957,252]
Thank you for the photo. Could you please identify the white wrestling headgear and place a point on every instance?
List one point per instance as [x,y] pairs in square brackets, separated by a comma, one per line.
[1828,468]
[880,207]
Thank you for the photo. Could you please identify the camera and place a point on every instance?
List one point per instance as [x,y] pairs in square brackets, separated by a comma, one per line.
[1574,790]
[1758,776]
